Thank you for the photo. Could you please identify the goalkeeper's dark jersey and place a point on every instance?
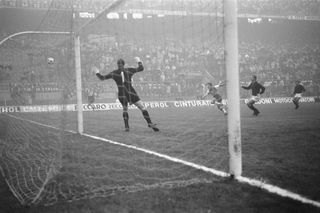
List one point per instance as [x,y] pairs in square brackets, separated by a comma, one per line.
[123,79]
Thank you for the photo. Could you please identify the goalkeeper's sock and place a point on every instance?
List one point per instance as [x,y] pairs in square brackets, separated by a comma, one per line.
[146,116]
[150,124]
[126,120]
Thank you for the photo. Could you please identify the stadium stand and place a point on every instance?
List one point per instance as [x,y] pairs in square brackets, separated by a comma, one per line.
[170,72]
[267,7]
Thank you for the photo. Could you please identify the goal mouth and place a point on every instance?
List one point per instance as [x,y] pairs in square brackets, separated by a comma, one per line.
[87,167]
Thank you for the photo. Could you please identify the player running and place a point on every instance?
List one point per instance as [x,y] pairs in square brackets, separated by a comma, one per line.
[298,90]
[217,100]
[126,93]
[257,89]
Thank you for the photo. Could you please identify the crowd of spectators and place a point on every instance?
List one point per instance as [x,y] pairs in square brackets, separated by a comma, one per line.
[283,7]
[172,69]
[264,7]
[175,66]
[279,65]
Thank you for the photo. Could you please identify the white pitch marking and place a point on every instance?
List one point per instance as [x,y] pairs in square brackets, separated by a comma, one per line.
[257,183]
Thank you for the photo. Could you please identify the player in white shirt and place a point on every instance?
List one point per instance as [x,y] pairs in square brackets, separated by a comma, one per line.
[217,99]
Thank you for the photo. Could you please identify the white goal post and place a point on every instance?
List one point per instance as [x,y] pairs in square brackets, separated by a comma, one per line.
[233,93]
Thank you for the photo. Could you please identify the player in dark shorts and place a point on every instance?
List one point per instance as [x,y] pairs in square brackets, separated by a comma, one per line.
[126,93]
[91,99]
[213,91]
[257,89]
[298,90]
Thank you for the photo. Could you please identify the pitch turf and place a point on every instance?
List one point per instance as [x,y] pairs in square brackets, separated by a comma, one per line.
[281,146]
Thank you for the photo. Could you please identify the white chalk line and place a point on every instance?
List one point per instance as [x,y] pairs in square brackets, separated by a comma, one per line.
[253,182]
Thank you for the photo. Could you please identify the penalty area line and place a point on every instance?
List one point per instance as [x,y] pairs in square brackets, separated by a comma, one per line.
[252,182]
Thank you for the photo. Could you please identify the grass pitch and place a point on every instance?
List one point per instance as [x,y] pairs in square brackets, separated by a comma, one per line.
[281,146]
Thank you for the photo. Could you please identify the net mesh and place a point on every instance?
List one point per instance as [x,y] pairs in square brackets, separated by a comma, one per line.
[180,43]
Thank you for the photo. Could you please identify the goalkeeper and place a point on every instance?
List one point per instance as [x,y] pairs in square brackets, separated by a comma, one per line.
[126,93]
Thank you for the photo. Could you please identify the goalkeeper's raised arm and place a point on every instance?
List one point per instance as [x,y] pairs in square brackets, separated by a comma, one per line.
[140,66]
[99,75]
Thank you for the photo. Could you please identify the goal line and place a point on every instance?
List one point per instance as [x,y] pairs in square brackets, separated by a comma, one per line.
[252,182]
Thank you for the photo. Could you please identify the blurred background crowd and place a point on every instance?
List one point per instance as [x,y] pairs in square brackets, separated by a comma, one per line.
[279,51]
[267,7]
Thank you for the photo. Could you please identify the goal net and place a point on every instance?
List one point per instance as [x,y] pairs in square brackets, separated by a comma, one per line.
[44,160]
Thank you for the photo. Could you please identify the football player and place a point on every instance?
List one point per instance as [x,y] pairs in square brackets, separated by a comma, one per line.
[126,93]
[257,89]
[217,99]
[298,90]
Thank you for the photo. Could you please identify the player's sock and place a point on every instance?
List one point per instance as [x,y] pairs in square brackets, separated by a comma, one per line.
[296,104]
[251,107]
[126,120]
[224,111]
[255,110]
[221,108]
[146,116]
[150,124]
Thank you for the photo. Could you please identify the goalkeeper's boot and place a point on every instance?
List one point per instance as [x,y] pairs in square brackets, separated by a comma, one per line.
[127,129]
[153,126]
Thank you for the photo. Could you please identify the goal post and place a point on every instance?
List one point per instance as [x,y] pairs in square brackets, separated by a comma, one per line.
[78,83]
[232,74]
[77,44]
[77,67]
[28,184]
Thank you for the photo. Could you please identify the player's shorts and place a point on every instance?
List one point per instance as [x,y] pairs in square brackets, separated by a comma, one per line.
[91,99]
[298,95]
[218,98]
[255,98]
